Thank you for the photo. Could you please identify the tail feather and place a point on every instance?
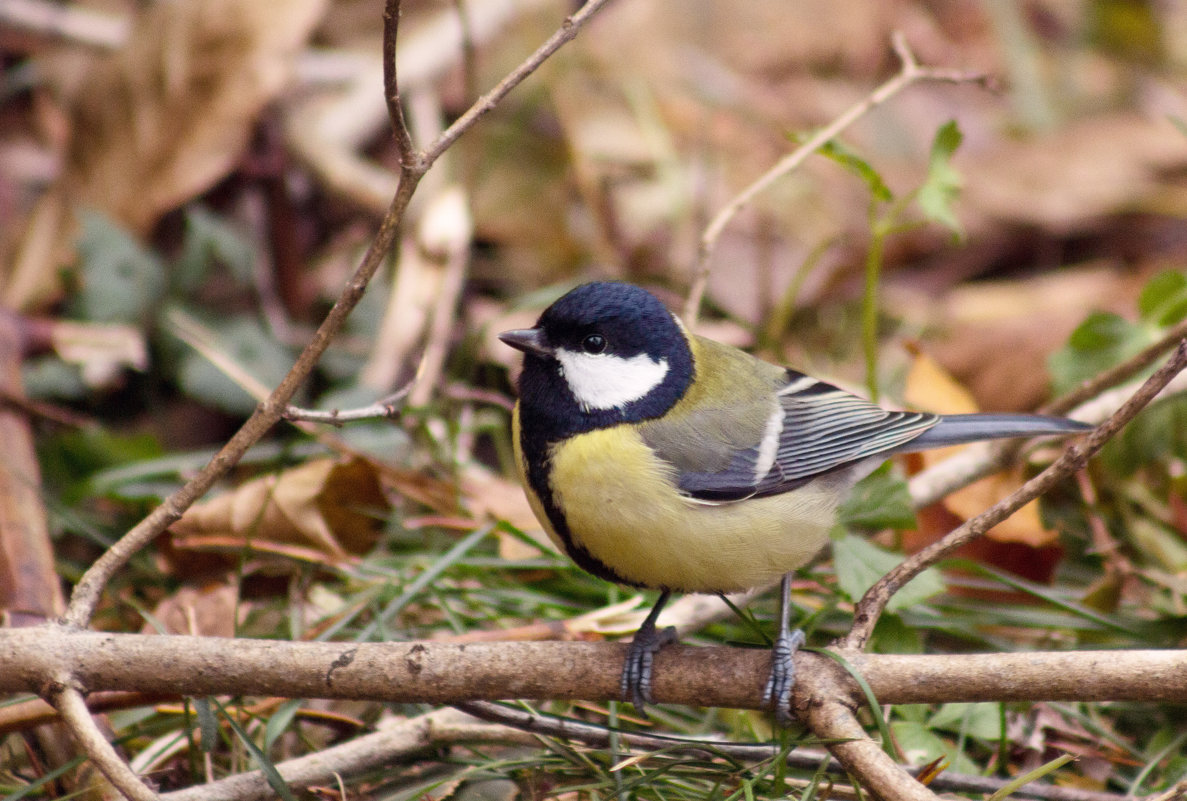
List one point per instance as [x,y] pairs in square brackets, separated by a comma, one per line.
[957,429]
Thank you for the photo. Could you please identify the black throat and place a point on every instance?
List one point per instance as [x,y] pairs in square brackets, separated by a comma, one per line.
[549,414]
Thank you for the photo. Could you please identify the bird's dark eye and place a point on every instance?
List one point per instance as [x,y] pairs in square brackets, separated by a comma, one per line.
[594,343]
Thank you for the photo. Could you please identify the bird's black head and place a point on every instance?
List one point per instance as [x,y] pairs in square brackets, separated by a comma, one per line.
[604,353]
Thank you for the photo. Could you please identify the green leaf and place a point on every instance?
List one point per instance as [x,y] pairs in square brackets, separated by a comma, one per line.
[1159,546]
[209,239]
[860,563]
[920,745]
[880,500]
[50,377]
[71,458]
[271,774]
[1163,301]
[893,635]
[858,166]
[122,281]
[279,722]
[207,723]
[1040,772]
[1102,341]
[942,185]
[1160,431]
[247,344]
[977,720]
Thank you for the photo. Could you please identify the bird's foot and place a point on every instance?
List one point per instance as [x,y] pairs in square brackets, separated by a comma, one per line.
[777,692]
[635,685]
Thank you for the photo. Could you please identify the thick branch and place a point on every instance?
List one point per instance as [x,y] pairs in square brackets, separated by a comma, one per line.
[445,673]
[823,699]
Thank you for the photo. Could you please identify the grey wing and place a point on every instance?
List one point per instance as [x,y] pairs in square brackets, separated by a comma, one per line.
[815,429]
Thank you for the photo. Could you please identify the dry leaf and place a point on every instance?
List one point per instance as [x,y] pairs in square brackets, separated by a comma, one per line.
[490,495]
[932,389]
[207,611]
[102,350]
[169,114]
[1082,171]
[998,334]
[322,508]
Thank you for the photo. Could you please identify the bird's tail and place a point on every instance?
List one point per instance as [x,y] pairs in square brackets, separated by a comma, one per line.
[957,429]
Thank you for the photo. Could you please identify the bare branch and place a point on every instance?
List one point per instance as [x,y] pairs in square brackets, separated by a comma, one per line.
[458,673]
[802,758]
[517,726]
[1074,458]
[910,72]
[863,758]
[387,408]
[73,709]
[360,755]
[90,587]
[485,104]
[391,89]
[446,673]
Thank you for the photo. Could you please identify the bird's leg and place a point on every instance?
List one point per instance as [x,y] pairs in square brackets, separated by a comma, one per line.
[777,692]
[635,685]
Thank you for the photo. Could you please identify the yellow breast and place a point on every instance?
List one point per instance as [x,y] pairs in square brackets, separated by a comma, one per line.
[621,504]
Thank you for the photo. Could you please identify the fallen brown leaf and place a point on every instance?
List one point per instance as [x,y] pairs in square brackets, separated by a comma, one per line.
[930,388]
[324,507]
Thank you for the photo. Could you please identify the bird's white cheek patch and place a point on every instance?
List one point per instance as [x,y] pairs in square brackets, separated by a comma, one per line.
[605,381]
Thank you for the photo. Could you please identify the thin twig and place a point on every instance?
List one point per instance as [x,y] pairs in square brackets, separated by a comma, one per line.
[388,408]
[73,709]
[391,91]
[1074,458]
[485,104]
[986,458]
[803,758]
[1121,373]
[910,73]
[90,587]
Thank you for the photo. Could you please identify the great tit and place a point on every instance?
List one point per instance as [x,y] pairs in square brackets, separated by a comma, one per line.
[660,459]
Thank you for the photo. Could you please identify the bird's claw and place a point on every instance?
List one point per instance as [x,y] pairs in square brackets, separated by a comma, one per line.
[777,692]
[635,685]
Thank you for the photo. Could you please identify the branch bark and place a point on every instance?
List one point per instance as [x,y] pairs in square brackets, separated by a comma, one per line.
[414,165]
[444,673]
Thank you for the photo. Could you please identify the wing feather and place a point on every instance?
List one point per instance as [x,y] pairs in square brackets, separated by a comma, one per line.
[820,429]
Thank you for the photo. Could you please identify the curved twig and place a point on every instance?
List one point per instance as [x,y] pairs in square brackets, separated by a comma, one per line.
[1074,458]
[90,587]
[73,709]
[911,72]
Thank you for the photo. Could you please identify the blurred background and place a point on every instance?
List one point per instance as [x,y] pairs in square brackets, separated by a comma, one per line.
[186,186]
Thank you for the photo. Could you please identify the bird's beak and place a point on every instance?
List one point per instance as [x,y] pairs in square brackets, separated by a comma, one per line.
[529,340]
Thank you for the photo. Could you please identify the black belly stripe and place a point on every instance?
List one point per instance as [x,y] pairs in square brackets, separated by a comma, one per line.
[537,455]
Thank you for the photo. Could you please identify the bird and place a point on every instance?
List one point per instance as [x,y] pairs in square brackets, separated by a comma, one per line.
[663,460]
